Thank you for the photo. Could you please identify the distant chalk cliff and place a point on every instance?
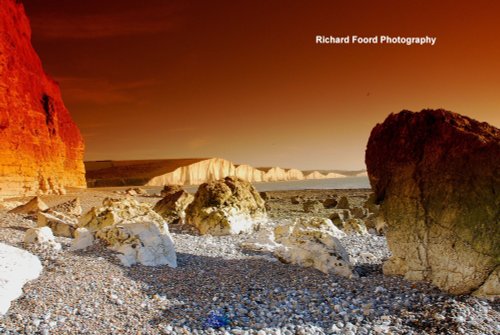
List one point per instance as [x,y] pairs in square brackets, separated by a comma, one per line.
[188,172]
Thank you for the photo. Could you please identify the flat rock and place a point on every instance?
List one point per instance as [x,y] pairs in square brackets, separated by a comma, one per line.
[33,206]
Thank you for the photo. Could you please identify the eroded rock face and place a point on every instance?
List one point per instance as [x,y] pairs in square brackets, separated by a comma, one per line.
[227,206]
[131,228]
[173,206]
[41,148]
[437,177]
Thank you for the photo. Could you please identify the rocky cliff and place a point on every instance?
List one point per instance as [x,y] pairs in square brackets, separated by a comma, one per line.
[197,173]
[249,173]
[279,174]
[217,168]
[184,172]
[41,148]
[437,177]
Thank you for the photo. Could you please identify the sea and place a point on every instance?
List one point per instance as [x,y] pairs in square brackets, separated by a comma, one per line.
[314,184]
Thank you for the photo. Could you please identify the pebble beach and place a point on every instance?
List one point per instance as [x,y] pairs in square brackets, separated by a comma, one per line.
[221,288]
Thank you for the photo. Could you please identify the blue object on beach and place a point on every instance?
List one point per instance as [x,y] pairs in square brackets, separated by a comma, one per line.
[216,319]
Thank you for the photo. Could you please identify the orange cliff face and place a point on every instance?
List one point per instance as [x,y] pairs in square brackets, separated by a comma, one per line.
[41,148]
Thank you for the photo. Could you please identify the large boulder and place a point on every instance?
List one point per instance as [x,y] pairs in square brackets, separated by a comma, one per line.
[436,175]
[133,229]
[173,206]
[227,206]
[17,267]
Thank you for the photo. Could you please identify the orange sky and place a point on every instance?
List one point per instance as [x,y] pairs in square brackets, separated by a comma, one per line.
[244,80]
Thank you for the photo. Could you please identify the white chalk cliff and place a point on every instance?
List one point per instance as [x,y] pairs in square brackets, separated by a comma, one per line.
[197,173]
[316,175]
[187,172]
[217,168]
[249,173]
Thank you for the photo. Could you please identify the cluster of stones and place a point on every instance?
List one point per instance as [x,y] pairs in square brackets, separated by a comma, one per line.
[133,229]
[351,219]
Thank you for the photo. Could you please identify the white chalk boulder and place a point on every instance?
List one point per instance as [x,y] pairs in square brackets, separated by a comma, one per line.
[83,239]
[131,228]
[147,243]
[310,242]
[17,267]
[313,243]
[42,237]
